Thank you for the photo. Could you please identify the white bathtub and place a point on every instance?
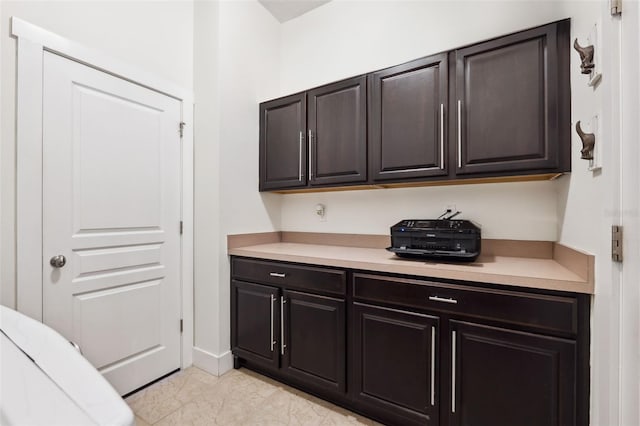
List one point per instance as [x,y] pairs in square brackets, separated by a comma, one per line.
[44,380]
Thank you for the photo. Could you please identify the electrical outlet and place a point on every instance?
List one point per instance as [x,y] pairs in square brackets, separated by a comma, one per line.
[321,211]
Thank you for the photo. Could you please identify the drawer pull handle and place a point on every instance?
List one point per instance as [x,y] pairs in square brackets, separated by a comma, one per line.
[453,372]
[433,366]
[300,158]
[442,136]
[277,274]
[273,300]
[282,344]
[459,134]
[443,299]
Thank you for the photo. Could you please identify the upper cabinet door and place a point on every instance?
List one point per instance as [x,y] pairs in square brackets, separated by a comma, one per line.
[337,132]
[513,103]
[407,116]
[283,153]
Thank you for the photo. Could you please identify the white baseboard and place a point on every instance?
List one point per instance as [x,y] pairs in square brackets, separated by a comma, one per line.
[212,363]
[225,363]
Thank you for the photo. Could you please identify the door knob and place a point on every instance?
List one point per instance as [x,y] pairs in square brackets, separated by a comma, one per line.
[58,261]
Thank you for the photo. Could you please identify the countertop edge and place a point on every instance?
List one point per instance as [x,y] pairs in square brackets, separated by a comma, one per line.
[576,286]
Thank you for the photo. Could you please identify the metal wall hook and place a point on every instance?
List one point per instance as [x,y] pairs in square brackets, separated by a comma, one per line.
[588,142]
[586,57]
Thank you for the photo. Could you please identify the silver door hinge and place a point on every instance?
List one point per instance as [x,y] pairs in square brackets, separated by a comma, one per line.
[616,7]
[181,227]
[182,124]
[616,243]
[181,325]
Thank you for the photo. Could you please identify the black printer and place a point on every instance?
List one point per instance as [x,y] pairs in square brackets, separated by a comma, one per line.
[437,239]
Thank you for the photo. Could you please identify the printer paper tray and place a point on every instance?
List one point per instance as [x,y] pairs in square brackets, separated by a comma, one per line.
[434,254]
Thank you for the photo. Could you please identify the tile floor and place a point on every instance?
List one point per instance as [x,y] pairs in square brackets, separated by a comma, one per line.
[239,397]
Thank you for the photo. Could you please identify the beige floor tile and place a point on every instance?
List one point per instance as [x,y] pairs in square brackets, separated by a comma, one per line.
[207,411]
[165,388]
[140,422]
[340,416]
[286,408]
[169,394]
[239,397]
[194,386]
[153,410]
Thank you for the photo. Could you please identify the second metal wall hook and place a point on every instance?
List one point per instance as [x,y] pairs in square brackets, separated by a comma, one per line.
[586,57]
[588,142]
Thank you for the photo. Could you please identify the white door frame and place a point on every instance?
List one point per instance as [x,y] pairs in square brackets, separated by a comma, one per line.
[630,206]
[32,42]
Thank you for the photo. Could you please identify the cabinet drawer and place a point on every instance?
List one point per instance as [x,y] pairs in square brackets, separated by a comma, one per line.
[290,276]
[545,312]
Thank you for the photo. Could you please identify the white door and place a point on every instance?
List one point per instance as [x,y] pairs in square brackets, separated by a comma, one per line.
[111,207]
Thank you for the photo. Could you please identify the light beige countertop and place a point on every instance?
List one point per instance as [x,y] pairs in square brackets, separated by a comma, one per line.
[554,268]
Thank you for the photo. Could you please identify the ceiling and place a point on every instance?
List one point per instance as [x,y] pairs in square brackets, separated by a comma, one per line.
[284,10]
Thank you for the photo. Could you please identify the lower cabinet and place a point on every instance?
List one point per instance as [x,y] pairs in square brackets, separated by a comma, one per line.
[314,339]
[507,377]
[298,334]
[412,351]
[395,363]
[254,312]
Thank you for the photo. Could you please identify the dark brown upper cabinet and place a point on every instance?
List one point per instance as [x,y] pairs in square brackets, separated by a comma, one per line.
[407,120]
[337,132]
[512,103]
[283,151]
[496,109]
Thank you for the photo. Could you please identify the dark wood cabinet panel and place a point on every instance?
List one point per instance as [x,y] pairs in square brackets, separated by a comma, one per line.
[512,103]
[496,109]
[299,335]
[407,116]
[545,313]
[338,133]
[505,377]
[315,350]
[286,275]
[283,151]
[253,322]
[395,363]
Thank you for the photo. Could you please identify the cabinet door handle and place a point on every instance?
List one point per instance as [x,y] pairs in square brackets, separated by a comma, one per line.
[443,299]
[459,133]
[300,157]
[433,366]
[277,274]
[282,345]
[442,136]
[310,155]
[453,371]
[273,342]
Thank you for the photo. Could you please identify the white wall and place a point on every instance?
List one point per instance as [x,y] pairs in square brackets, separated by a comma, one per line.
[629,331]
[497,208]
[207,181]
[248,43]
[588,204]
[154,36]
